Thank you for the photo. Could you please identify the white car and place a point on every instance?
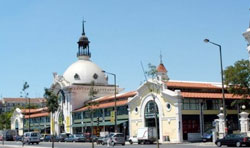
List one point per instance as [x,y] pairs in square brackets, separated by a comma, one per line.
[31,137]
[133,139]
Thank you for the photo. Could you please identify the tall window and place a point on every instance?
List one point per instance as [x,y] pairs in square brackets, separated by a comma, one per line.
[150,108]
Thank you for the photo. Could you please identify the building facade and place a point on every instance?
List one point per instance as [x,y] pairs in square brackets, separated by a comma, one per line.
[8,104]
[74,85]
[177,108]
[24,120]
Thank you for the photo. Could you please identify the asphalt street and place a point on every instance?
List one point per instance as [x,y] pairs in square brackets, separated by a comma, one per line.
[88,145]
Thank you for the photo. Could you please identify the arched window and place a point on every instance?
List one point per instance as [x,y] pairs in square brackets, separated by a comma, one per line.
[150,108]
[76,77]
[61,96]
[16,124]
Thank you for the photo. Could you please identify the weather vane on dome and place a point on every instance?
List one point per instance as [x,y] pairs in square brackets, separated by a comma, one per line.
[83,21]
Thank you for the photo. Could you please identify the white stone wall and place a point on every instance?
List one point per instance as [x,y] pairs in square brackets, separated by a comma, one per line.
[169,119]
[17,116]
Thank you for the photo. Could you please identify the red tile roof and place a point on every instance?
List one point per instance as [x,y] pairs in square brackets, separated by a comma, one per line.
[208,95]
[118,96]
[26,111]
[37,115]
[191,85]
[108,101]
[105,105]
[161,68]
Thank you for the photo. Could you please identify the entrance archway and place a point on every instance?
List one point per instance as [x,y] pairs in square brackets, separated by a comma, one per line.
[17,127]
[61,125]
[149,115]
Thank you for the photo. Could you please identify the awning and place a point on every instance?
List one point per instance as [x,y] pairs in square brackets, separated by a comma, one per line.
[100,124]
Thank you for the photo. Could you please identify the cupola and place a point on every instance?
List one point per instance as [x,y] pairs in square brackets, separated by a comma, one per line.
[83,45]
[162,71]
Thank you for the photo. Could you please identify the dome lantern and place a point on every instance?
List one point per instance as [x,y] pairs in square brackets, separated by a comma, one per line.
[83,44]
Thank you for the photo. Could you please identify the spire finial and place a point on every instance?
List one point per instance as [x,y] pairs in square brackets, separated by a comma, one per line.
[160,57]
[83,32]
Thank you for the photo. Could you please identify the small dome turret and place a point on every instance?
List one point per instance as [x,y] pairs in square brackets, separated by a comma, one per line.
[162,71]
[83,44]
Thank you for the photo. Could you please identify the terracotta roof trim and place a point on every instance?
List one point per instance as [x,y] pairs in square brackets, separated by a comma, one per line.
[209,95]
[37,115]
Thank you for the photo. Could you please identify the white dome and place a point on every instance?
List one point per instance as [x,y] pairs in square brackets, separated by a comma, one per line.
[85,71]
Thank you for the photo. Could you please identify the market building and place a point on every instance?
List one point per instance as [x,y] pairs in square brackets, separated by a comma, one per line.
[184,108]
[181,107]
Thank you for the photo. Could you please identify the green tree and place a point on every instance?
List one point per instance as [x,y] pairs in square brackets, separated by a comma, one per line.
[24,93]
[52,105]
[237,79]
[5,121]
[90,104]
[152,71]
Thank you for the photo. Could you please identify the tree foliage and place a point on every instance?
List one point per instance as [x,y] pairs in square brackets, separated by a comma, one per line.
[52,100]
[237,78]
[151,71]
[5,117]
[92,96]
[23,93]
[5,121]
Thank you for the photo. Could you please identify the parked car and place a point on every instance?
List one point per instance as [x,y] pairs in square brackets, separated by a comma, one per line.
[208,135]
[117,138]
[31,137]
[47,138]
[42,137]
[100,140]
[75,138]
[106,139]
[234,139]
[93,138]
[89,138]
[8,135]
[61,137]
[18,138]
[133,139]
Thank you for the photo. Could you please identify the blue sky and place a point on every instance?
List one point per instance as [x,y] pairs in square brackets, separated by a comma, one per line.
[38,38]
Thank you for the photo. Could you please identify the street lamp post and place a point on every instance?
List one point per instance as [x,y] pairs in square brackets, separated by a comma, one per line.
[222,81]
[115,98]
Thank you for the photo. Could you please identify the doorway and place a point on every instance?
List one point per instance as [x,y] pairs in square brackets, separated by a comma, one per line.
[149,114]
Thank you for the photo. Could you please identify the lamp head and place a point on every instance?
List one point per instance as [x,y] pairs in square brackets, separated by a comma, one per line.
[243,107]
[206,40]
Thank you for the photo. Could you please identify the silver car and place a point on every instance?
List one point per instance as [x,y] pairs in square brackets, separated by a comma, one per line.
[117,138]
[31,137]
